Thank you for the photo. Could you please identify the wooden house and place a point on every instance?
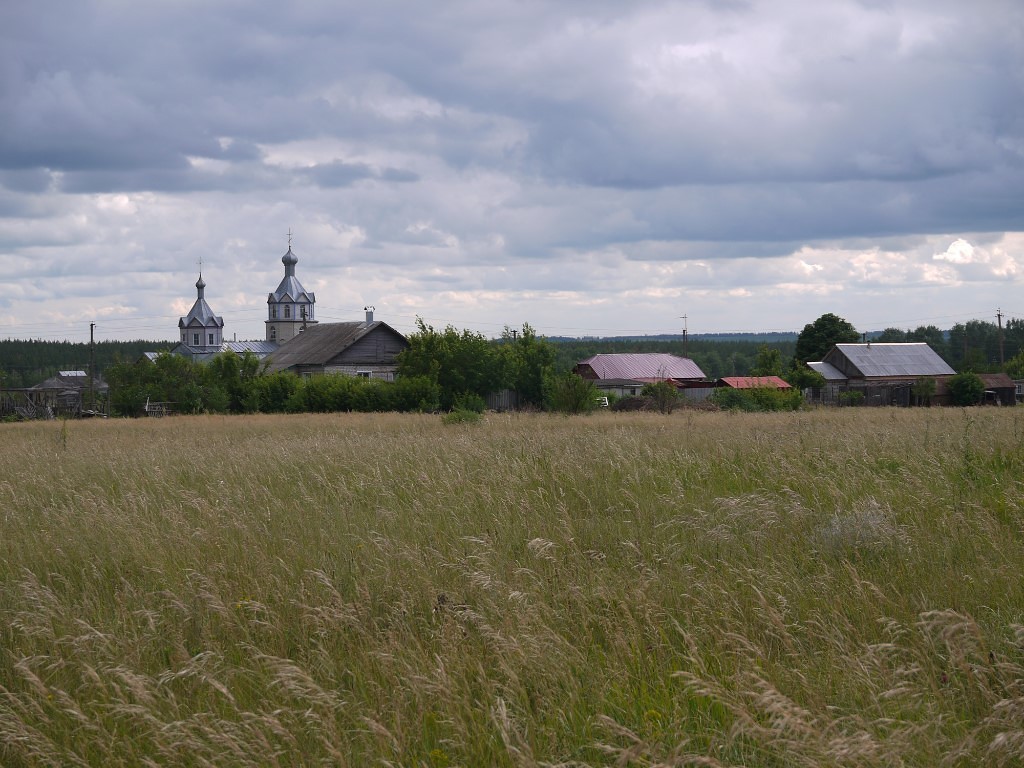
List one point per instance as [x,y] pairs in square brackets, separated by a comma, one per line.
[878,373]
[369,348]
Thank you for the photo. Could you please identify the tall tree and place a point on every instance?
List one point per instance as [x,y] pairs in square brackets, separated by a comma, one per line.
[528,360]
[892,335]
[768,362]
[460,363]
[819,337]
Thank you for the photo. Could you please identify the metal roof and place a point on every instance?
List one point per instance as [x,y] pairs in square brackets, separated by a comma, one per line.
[755,382]
[894,359]
[656,365]
[201,314]
[257,347]
[290,288]
[829,371]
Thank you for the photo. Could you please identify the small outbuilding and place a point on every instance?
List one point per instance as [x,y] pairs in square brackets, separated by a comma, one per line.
[754,382]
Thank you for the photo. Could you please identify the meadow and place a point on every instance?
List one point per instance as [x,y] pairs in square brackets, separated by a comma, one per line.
[823,588]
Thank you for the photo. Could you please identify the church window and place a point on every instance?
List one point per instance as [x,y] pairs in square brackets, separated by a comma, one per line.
[273,312]
[211,339]
[273,333]
[287,311]
[195,339]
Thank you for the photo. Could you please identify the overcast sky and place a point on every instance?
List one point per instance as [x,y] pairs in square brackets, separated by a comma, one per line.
[592,167]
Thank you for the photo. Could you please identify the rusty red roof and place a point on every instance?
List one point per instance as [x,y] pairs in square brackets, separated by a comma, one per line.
[754,382]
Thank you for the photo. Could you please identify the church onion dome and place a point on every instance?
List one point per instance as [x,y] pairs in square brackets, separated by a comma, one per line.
[290,290]
[201,315]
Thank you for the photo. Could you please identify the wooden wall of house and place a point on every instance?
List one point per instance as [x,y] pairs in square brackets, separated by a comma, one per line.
[378,346]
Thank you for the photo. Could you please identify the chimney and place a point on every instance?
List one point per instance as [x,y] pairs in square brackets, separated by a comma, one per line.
[369,314]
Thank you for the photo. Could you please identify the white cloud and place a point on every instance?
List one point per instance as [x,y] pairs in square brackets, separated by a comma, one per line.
[579,166]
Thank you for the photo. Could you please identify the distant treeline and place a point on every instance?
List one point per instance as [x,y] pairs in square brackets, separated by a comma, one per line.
[26,363]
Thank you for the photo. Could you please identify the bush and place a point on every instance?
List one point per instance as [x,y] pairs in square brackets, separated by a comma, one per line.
[966,389]
[757,399]
[569,393]
[852,398]
[461,416]
[663,394]
[469,401]
[415,393]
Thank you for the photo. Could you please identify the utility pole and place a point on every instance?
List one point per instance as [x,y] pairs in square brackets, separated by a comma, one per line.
[303,306]
[999,317]
[685,335]
[92,369]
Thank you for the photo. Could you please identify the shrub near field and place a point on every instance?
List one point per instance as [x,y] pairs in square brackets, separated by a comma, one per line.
[818,588]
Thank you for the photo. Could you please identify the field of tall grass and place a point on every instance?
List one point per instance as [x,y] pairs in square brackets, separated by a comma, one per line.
[826,588]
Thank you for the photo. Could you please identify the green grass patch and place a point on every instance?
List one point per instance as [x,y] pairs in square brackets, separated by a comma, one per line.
[811,588]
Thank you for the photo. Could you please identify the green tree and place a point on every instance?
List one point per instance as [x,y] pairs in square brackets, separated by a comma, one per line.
[768,362]
[966,388]
[459,362]
[892,335]
[923,390]
[974,346]
[819,337]
[1015,366]
[569,393]
[801,377]
[664,395]
[527,360]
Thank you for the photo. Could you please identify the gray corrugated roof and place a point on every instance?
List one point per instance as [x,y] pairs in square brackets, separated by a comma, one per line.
[892,359]
[257,347]
[643,365]
[830,372]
